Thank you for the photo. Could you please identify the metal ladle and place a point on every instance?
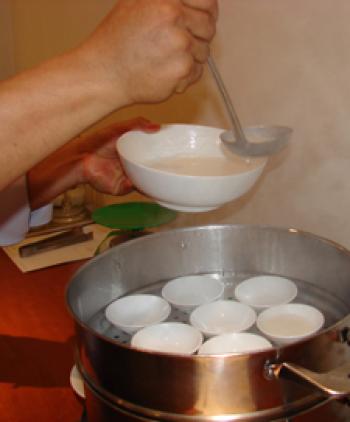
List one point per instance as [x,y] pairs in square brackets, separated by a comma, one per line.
[268,140]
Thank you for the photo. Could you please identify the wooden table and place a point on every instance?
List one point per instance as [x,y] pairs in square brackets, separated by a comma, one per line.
[36,345]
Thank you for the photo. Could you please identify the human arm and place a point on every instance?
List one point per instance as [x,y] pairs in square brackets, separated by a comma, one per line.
[88,159]
[143,52]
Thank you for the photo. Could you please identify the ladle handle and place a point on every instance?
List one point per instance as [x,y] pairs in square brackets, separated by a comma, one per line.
[236,125]
[334,384]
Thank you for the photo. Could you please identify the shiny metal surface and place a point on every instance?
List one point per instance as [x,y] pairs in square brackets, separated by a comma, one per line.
[334,384]
[205,388]
[236,139]
[101,410]
[67,238]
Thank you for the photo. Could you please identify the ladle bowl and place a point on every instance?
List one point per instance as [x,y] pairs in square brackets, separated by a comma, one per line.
[267,140]
[258,141]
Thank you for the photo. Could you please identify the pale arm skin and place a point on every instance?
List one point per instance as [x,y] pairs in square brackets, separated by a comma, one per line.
[91,159]
[143,52]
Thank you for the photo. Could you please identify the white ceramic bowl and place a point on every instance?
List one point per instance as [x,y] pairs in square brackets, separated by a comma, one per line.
[185,293]
[222,316]
[265,291]
[131,313]
[186,167]
[234,343]
[168,337]
[288,323]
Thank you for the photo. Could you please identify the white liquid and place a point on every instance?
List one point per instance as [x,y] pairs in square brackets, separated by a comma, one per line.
[288,325]
[204,166]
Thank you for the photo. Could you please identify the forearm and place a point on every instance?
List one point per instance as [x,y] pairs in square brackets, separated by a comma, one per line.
[61,171]
[43,108]
[89,159]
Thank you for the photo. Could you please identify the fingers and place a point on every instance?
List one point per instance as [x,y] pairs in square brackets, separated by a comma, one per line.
[192,65]
[200,24]
[208,6]
[102,141]
[193,77]
[124,187]
[105,175]
[144,124]
[200,51]
[199,20]
[117,129]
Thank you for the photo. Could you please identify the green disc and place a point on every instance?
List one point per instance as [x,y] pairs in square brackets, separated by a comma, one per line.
[133,215]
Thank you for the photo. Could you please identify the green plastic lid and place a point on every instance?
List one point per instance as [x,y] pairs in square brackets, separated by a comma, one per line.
[133,215]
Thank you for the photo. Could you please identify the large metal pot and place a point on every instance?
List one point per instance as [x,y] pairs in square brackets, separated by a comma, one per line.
[144,386]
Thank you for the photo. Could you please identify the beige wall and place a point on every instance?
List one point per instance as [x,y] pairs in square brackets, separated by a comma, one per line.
[286,62]
[43,28]
[7,65]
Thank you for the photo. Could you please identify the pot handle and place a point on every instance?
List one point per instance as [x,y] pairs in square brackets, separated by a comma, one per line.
[334,384]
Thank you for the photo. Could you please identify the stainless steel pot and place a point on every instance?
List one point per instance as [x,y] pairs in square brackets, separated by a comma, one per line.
[262,386]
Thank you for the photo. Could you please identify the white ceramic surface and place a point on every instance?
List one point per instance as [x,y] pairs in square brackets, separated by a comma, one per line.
[265,291]
[185,293]
[288,323]
[190,193]
[234,343]
[131,313]
[168,337]
[222,316]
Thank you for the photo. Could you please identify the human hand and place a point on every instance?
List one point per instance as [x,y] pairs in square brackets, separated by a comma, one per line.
[100,166]
[145,50]
[91,159]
